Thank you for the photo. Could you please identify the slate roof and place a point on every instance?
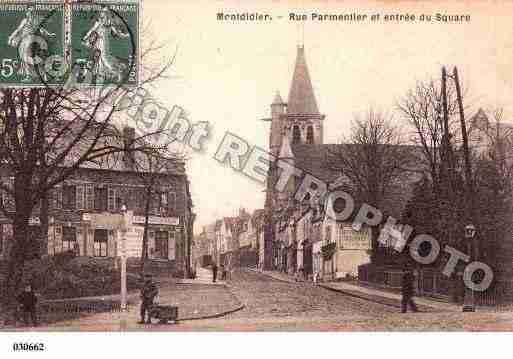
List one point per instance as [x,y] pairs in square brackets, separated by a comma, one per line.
[316,160]
[301,96]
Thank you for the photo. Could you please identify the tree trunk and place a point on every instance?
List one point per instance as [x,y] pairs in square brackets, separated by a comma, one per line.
[43,216]
[144,254]
[14,276]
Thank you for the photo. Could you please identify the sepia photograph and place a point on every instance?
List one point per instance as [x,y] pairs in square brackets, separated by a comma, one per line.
[304,169]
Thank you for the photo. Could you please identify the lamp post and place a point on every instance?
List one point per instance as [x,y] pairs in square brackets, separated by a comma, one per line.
[469,300]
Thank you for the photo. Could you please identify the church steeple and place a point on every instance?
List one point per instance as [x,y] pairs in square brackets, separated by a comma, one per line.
[301,96]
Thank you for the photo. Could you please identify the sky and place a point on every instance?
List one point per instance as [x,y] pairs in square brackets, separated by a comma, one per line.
[227,72]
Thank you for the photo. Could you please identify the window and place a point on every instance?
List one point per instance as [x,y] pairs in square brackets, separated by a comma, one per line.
[140,199]
[111,200]
[100,242]
[161,244]
[309,135]
[89,196]
[163,199]
[155,203]
[69,197]
[57,197]
[171,199]
[100,198]
[80,197]
[296,134]
[1,238]
[69,238]
[7,198]
[119,199]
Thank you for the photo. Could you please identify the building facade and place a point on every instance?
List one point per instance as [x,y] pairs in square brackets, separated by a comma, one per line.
[84,215]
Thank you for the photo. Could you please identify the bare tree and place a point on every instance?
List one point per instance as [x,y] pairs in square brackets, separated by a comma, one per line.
[152,167]
[422,109]
[375,162]
[47,134]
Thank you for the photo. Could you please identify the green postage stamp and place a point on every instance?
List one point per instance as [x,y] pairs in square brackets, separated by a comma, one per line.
[104,42]
[31,35]
[55,43]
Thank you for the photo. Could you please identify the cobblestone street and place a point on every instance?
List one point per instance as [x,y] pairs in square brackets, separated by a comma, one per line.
[274,305]
[267,297]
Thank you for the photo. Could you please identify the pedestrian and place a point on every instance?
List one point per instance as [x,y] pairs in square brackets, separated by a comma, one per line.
[214,272]
[148,293]
[315,277]
[223,272]
[407,291]
[27,304]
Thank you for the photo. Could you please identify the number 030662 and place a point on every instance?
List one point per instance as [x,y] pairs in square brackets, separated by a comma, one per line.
[31,347]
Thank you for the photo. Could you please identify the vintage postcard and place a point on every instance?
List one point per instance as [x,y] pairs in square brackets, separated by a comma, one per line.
[290,166]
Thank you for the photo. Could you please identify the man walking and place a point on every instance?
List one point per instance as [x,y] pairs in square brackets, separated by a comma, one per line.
[148,293]
[28,302]
[407,291]
[214,272]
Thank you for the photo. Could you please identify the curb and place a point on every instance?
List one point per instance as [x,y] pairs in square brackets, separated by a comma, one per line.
[275,278]
[222,314]
[383,301]
[212,316]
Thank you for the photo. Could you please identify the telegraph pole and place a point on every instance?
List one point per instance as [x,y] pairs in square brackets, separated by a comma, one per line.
[469,303]
[466,152]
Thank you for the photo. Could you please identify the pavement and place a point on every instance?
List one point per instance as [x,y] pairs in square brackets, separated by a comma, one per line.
[195,298]
[373,294]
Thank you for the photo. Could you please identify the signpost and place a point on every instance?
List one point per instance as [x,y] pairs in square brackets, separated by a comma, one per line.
[123,228]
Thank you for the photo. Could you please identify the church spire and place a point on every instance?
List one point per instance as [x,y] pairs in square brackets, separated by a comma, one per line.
[301,96]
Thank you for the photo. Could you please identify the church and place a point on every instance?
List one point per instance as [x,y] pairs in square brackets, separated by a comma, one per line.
[299,237]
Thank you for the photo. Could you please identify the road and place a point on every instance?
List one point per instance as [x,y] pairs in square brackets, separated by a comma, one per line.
[267,297]
[272,305]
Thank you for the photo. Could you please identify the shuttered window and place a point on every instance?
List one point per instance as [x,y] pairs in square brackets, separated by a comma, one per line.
[69,197]
[100,199]
[111,200]
[89,196]
[57,197]
[80,197]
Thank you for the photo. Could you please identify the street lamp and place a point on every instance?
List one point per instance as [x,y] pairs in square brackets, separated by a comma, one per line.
[469,300]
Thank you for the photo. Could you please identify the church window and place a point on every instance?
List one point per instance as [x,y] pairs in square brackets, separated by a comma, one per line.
[309,135]
[296,134]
